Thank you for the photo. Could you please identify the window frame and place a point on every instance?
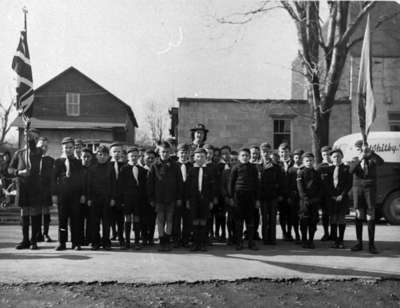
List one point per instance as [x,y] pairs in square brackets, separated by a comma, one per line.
[71,104]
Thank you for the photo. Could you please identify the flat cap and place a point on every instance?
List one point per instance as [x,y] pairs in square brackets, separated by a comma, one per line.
[336,150]
[132,149]
[308,154]
[115,144]
[326,148]
[200,150]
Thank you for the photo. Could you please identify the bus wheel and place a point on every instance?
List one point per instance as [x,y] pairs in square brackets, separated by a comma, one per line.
[391,208]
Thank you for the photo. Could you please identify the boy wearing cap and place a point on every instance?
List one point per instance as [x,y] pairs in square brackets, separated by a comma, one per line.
[26,171]
[101,197]
[323,169]
[45,172]
[117,221]
[310,189]
[182,221]
[132,188]
[165,189]
[148,217]
[200,190]
[338,186]
[284,203]
[364,170]
[269,188]
[244,191]
[68,194]
[293,192]
[85,229]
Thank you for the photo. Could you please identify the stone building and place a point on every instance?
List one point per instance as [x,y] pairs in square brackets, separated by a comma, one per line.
[243,122]
[72,104]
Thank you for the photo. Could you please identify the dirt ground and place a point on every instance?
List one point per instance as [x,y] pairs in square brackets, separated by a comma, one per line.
[247,293]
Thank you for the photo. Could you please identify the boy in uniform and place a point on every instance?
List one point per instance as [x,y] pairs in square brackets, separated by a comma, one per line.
[132,187]
[148,213]
[338,186]
[85,229]
[117,221]
[309,186]
[284,205]
[165,190]
[255,158]
[200,190]
[45,171]
[269,188]
[101,197]
[68,194]
[325,202]
[244,188]
[25,167]
[364,173]
[182,222]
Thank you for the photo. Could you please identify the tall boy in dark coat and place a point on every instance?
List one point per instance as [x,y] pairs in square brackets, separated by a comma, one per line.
[101,198]
[269,189]
[165,190]
[200,190]
[364,170]
[132,183]
[182,220]
[244,189]
[310,188]
[85,227]
[338,186]
[67,185]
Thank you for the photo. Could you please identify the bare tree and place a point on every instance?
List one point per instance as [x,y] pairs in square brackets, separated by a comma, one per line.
[322,53]
[5,124]
[156,120]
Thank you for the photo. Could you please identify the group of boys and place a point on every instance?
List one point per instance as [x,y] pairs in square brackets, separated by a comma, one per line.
[194,195]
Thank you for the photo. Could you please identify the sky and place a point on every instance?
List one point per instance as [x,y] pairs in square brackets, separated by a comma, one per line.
[153,50]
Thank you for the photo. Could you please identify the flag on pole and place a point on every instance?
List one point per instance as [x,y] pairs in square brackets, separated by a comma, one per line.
[365,95]
[21,64]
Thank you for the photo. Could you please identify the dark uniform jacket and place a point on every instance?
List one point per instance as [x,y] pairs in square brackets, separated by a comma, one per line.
[46,171]
[101,181]
[285,179]
[244,177]
[165,182]
[129,188]
[189,166]
[61,184]
[365,177]
[27,185]
[344,184]
[208,190]
[309,185]
[269,182]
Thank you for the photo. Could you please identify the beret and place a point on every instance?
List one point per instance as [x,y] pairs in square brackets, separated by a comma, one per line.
[200,150]
[67,140]
[308,154]
[299,152]
[265,145]
[326,148]
[132,149]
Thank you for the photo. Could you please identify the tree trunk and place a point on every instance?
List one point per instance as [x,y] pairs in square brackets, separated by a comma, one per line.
[319,133]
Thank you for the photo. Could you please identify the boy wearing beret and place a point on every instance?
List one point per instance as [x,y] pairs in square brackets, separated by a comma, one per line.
[338,186]
[323,169]
[148,217]
[101,197]
[182,220]
[364,170]
[68,194]
[132,188]
[310,188]
[165,189]
[269,188]
[244,191]
[117,221]
[200,190]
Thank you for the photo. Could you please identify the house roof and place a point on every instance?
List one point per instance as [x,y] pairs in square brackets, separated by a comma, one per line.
[242,100]
[118,100]
[54,124]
